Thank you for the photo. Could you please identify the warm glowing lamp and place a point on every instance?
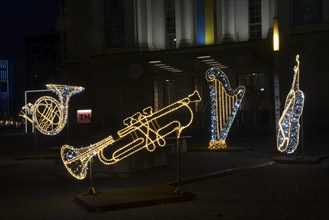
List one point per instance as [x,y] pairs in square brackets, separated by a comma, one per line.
[276,40]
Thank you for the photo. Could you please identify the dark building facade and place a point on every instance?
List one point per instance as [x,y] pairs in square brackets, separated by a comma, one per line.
[5,89]
[43,60]
[137,53]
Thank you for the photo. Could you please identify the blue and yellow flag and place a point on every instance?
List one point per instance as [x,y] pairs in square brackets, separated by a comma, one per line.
[205,22]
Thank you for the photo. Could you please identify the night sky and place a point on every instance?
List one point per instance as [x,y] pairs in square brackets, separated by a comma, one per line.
[19,19]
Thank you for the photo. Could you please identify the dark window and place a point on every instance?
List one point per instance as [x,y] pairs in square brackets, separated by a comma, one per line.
[255,19]
[170,24]
[36,53]
[3,86]
[254,106]
[163,93]
[307,12]
[114,23]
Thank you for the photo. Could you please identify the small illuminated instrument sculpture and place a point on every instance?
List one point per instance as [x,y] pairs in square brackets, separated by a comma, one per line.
[288,132]
[143,130]
[47,114]
[225,103]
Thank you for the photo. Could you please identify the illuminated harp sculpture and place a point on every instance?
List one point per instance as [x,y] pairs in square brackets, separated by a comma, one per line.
[225,103]
[288,132]
[47,114]
[143,130]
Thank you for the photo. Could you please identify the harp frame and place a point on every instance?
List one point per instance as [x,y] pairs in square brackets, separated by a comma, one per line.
[225,103]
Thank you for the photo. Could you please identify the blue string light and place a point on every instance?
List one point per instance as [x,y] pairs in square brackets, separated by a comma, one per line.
[225,103]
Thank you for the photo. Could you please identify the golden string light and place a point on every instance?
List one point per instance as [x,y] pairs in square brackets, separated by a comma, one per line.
[225,103]
[47,114]
[146,129]
[288,132]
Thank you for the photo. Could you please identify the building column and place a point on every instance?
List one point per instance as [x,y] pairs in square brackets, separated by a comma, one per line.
[143,24]
[184,23]
[158,25]
[268,14]
[228,21]
[218,17]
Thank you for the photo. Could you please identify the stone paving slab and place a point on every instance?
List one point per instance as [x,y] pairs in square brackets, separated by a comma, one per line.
[114,199]
[279,191]
[227,149]
[297,160]
[41,189]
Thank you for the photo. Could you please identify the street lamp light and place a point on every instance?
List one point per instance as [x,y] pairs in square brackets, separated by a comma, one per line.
[276,41]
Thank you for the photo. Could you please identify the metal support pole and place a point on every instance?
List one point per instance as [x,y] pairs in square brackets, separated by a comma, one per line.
[302,135]
[277,103]
[35,144]
[301,143]
[178,190]
[91,190]
[25,112]
[25,97]
[68,130]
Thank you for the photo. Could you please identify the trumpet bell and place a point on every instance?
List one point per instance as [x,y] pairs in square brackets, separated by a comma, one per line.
[195,97]
[71,158]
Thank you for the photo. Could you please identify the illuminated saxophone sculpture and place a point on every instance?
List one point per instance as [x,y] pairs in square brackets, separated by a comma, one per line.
[47,114]
[143,130]
[225,103]
[288,132]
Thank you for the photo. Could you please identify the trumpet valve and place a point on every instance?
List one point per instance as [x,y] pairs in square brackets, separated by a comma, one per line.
[127,121]
[148,111]
[137,116]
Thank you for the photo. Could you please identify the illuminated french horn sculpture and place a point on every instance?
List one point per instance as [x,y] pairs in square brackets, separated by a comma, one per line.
[288,132]
[47,114]
[225,103]
[146,130]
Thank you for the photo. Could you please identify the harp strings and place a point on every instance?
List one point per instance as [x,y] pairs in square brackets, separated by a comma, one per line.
[224,105]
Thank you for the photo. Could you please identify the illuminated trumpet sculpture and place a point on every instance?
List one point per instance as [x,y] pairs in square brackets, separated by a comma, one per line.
[288,132]
[143,130]
[47,114]
[225,103]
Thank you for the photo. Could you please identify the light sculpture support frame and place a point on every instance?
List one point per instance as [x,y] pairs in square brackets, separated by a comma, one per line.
[225,103]
[289,125]
[146,130]
[47,114]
